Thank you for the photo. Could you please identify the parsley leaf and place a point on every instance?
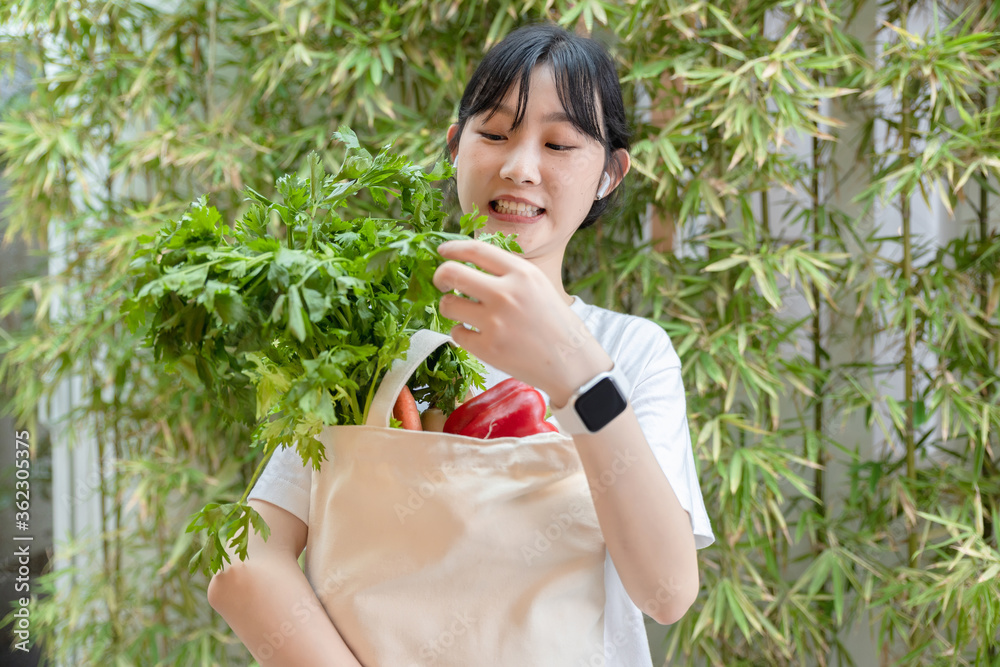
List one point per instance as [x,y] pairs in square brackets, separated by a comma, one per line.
[294,313]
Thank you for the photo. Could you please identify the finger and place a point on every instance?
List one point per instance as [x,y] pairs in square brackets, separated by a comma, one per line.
[488,257]
[456,308]
[471,282]
[467,339]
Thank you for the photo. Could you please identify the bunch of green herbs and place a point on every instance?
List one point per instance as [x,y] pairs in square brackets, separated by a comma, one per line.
[292,315]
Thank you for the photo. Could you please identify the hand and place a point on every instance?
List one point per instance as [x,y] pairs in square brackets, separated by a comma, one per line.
[523,325]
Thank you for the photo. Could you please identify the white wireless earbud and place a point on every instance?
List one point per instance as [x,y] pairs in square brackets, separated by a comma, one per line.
[605,184]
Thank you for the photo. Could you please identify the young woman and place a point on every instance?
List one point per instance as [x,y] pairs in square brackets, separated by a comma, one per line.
[540,145]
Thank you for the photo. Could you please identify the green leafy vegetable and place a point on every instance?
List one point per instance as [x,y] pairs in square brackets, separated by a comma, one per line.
[293,314]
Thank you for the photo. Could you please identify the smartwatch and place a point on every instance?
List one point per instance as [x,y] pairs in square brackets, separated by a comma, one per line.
[594,404]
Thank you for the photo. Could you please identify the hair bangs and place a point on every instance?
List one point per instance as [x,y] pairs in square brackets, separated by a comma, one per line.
[576,85]
[511,68]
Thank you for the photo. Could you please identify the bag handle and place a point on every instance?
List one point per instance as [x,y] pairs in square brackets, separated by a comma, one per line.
[422,343]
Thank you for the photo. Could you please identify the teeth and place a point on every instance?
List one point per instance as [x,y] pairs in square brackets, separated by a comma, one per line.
[516,208]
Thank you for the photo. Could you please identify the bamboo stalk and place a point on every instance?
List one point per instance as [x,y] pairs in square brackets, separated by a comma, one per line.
[817,338]
[111,539]
[116,439]
[909,328]
[765,211]
[210,73]
[116,443]
[984,224]
[989,533]
[107,536]
[767,417]
[984,299]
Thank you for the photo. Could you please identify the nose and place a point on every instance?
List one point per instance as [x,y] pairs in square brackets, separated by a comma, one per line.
[521,165]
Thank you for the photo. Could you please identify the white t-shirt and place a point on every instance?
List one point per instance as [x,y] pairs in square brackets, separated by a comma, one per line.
[643,351]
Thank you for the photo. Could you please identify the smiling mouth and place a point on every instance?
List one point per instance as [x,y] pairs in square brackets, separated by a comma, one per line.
[515,208]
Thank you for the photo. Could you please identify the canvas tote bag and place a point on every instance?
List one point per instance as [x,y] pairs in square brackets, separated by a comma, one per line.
[433,549]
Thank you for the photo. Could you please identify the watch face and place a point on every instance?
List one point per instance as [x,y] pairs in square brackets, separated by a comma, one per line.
[600,404]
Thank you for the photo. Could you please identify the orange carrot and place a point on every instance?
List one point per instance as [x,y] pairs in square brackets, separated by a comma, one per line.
[405,410]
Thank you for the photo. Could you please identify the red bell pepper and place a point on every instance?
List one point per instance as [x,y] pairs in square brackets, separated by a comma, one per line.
[510,409]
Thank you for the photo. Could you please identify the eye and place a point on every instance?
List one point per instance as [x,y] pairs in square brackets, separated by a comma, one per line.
[559,147]
[491,137]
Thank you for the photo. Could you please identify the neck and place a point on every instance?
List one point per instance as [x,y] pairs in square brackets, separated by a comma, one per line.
[552,268]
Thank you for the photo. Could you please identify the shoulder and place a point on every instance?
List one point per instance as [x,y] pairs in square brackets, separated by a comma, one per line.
[638,345]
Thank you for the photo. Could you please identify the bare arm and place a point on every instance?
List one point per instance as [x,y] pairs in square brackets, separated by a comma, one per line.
[269,603]
[522,325]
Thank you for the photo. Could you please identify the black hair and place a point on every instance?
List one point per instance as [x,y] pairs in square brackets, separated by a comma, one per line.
[586,81]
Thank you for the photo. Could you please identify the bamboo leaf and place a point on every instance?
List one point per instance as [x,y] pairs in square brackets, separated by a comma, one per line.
[729,51]
[736,610]
[721,17]
[726,264]
[735,472]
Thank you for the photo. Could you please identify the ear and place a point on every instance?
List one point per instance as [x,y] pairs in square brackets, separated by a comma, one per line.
[452,131]
[623,161]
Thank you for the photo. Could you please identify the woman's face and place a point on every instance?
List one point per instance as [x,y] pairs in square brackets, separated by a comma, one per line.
[538,181]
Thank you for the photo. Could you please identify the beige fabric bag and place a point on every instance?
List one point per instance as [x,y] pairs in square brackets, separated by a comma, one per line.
[434,549]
